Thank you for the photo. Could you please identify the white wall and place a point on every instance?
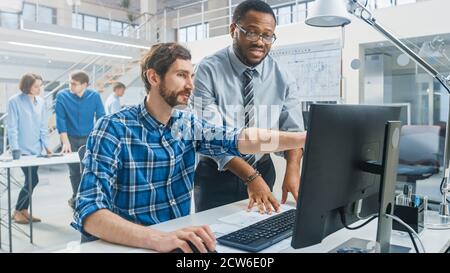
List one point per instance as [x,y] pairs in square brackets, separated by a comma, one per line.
[410,20]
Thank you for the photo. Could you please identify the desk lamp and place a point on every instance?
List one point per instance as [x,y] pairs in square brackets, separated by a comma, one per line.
[335,13]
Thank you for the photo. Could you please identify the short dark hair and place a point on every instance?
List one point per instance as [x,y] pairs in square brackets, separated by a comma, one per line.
[248,5]
[118,85]
[80,76]
[160,57]
[27,81]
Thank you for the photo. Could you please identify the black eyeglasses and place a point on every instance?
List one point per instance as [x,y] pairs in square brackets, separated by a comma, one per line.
[253,36]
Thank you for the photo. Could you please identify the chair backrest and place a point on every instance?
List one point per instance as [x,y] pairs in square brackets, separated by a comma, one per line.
[81,153]
[419,145]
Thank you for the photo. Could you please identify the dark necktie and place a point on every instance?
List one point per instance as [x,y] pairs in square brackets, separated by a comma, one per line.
[249,109]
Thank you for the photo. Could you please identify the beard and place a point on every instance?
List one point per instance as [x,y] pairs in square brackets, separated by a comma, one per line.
[240,52]
[171,96]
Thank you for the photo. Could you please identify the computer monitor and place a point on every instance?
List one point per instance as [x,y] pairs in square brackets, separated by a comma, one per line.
[341,140]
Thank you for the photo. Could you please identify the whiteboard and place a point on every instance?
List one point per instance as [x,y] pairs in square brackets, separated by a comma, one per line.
[316,68]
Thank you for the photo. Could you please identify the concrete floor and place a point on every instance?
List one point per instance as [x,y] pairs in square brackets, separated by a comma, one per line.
[50,204]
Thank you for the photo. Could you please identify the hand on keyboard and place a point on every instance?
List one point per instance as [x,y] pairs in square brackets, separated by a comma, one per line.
[259,193]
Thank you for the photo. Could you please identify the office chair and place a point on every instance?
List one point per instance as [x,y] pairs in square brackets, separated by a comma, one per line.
[419,153]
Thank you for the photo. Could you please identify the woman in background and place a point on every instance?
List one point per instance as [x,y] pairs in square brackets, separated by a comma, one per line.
[27,128]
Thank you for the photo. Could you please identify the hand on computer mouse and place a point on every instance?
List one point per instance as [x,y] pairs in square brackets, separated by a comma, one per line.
[201,236]
[193,248]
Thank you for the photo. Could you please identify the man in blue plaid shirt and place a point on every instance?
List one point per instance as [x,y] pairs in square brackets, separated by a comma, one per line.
[139,162]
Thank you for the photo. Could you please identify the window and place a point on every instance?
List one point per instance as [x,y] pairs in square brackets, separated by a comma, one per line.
[300,14]
[89,23]
[29,12]
[284,15]
[182,36]
[201,30]
[116,28]
[46,15]
[99,24]
[193,33]
[77,21]
[103,25]
[9,20]
[43,14]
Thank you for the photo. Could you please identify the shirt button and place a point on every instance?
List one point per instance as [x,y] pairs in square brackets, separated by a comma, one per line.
[172,202]
[169,180]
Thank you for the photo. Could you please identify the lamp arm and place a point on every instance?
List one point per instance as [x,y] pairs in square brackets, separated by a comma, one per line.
[360,11]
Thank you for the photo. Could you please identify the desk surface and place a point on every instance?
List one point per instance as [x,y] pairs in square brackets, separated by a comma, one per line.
[434,240]
[28,161]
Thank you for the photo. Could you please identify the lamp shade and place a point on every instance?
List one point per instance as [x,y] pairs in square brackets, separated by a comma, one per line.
[328,13]
[12,6]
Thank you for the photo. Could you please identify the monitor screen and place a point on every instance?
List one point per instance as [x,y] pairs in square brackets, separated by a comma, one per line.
[340,137]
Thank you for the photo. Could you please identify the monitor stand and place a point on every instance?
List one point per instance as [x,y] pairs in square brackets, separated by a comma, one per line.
[388,174]
[356,245]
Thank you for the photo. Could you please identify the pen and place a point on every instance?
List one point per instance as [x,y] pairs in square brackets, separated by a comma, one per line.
[409,199]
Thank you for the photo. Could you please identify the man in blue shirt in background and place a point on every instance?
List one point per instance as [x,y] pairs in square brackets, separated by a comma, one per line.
[76,108]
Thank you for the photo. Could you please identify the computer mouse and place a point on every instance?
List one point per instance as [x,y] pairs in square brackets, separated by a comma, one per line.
[194,249]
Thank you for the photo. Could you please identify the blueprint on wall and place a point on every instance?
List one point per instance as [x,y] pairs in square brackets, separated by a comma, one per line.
[316,67]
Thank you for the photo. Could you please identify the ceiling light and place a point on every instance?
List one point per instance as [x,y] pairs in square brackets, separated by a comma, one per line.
[84,38]
[70,50]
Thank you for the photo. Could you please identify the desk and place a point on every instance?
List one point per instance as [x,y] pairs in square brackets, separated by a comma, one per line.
[30,161]
[434,240]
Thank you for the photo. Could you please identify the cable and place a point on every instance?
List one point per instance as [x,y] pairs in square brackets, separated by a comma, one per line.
[366,217]
[341,212]
[409,228]
[412,240]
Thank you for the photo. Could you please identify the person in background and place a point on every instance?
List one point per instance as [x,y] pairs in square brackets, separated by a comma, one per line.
[27,127]
[77,108]
[112,104]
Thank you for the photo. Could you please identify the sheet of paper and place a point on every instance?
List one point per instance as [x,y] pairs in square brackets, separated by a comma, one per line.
[244,218]
[222,229]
